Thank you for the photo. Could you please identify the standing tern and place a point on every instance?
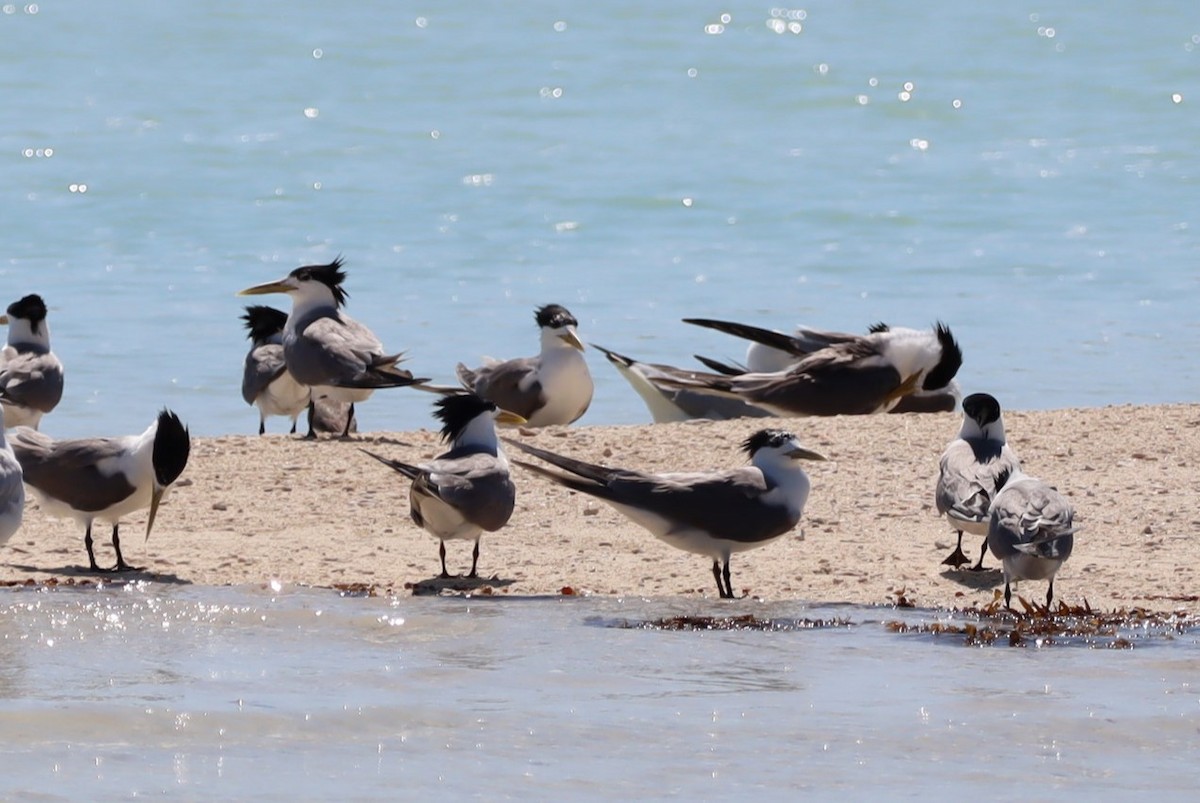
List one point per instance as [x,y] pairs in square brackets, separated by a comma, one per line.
[715,513]
[869,374]
[327,350]
[467,489]
[555,387]
[266,382]
[104,478]
[12,491]
[31,376]
[1030,530]
[969,470]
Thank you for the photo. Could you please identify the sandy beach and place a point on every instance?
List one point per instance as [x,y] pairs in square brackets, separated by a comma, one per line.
[254,509]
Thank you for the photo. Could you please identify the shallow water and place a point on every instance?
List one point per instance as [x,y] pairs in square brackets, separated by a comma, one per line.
[298,693]
[1026,175]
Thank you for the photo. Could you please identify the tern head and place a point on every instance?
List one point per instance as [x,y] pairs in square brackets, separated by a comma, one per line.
[780,442]
[949,361]
[459,411]
[172,445]
[263,322]
[556,321]
[30,310]
[310,285]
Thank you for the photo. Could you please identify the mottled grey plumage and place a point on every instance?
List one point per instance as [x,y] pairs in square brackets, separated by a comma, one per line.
[1031,531]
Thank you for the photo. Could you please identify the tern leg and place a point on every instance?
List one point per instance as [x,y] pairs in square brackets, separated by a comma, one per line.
[87,540]
[957,557]
[1050,593]
[293,432]
[978,567]
[722,579]
[442,555]
[1007,595]
[312,414]
[262,426]
[474,560]
[121,566]
[728,583]
[349,418]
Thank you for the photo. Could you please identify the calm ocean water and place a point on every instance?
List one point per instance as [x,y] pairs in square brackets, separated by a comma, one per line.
[1026,174]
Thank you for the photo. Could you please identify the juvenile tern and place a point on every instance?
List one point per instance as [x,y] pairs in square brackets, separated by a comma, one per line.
[1030,530]
[715,513]
[12,491]
[31,376]
[869,374]
[671,403]
[327,350]
[969,470]
[266,382]
[104,478]
[467,489]
[555,387]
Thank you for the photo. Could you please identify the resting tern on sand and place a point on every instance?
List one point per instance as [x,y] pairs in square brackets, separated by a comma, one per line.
[104,478]
[330,352]
[771,351]
[669,403]
[714,513]
[12,491]
[969,470]
[31,376]
[467,489]
[869,374]
[266,382]
[555,387]
[1031,531]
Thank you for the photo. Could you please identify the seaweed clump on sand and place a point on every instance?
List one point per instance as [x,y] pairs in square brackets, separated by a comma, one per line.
[1062,625]
[688,622]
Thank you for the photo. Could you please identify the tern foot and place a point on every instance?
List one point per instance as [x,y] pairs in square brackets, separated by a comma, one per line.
[956,559]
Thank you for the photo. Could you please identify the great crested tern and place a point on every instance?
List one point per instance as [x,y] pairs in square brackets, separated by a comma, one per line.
[555,387]
[266,382]
[869,374]
[1031,531]
[715,513]
[330,352]
[12,491]
[969,470]
[670,403]
[771,351]
[467,489]
[31,376]
[104,478]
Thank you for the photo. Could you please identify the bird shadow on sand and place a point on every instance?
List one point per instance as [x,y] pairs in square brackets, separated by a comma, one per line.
[436,586]
[76,573]
[979,581]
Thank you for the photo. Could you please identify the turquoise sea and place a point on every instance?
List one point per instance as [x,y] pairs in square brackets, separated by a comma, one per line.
[1027,173]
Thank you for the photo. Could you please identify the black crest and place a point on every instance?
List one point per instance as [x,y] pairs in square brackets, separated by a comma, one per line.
[30,308]
[1002,479]
[263,322]
[554,316]
[878,327]
[765,438]
[458,410]
[172,445]
[330,275]
[982,407]
[949,363]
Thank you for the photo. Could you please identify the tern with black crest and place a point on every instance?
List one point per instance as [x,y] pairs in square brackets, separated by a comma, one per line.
[337,357]
[31,376]
[715,513]
[969,470]
[869,374]
[554,387]
[104,478]
[1031,531]
[466,490]
[266,382]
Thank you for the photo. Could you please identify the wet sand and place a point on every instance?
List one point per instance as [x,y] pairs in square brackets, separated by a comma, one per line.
[254,509]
